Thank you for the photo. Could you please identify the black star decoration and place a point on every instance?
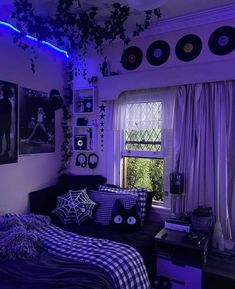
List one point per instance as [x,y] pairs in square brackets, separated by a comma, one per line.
[102,116]
[102,107]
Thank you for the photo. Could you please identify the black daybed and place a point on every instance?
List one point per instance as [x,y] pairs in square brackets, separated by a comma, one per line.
[90,255]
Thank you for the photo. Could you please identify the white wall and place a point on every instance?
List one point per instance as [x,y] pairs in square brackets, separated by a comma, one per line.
[31,172]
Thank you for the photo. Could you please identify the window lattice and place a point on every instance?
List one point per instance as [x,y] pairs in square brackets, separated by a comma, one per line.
[143,129]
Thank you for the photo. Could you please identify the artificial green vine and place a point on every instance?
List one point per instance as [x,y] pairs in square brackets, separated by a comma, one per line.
[66,147]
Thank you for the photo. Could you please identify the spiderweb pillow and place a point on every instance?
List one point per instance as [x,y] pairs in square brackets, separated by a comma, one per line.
[74,207]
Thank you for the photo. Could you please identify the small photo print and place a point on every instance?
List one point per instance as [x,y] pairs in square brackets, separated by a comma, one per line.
[37,122]
[78,102]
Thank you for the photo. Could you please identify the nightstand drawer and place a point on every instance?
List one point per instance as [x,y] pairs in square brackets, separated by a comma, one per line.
[181,276]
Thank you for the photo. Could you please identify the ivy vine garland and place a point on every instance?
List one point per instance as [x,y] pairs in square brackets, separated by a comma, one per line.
[75,30]
[66,147]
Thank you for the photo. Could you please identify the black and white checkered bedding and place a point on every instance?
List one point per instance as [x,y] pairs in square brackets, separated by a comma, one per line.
[140,193]
[122,262]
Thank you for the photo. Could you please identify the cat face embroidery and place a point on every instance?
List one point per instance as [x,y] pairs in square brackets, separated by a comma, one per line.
[125,219]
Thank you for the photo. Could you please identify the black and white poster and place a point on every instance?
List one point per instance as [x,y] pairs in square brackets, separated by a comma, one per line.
[37,122]
[8,122]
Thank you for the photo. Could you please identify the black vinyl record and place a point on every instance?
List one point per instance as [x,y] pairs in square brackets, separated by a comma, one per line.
[158,52]
[188,47]
[132,58]
[222,40]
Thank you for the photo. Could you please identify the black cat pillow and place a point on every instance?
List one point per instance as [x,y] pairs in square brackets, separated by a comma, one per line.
[125,219]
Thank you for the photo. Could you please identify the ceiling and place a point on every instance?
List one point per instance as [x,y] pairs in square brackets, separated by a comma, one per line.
[172,9]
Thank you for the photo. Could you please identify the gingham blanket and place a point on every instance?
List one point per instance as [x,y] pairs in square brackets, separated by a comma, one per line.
[123,263]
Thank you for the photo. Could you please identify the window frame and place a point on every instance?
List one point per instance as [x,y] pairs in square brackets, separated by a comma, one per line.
[165,154]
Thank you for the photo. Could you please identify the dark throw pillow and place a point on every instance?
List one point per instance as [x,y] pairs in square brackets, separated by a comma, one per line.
[75,207]
[106,203]
[140,193]
[125,219]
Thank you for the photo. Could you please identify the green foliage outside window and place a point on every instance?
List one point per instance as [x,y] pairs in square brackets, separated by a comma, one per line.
[147,173]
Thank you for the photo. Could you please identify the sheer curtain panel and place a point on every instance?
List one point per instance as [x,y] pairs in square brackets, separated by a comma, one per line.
[204,141]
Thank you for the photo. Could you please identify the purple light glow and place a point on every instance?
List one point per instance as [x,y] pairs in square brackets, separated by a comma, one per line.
[35,39]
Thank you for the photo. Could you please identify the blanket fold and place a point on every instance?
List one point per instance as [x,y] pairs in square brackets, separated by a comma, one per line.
[19,238]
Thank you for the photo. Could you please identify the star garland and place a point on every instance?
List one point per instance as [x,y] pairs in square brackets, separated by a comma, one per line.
[102,108]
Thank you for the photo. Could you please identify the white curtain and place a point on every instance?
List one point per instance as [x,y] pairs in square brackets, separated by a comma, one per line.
[204,139]
[166,95]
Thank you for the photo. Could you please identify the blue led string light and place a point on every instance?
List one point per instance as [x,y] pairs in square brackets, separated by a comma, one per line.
[35,39]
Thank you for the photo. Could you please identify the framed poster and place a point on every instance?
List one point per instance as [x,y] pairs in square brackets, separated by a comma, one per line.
[37,122]
[8,122]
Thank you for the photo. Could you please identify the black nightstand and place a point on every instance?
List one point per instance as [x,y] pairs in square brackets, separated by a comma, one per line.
[179,264]
[219,271]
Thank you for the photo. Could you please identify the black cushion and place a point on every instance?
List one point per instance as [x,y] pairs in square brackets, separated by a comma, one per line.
[73,182]
[123,219]
[44,201]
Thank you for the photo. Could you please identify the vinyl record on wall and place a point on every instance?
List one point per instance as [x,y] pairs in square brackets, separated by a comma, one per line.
[188,47]
[222,40]
[158,52]
[132,58]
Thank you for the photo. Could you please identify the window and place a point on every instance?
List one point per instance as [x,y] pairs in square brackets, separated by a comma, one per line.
[146,142]
[143,131]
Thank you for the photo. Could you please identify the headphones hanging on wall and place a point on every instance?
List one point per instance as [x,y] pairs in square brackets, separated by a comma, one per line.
[81,160]
[93,160]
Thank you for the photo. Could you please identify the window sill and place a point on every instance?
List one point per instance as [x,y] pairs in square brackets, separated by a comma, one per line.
[159,206]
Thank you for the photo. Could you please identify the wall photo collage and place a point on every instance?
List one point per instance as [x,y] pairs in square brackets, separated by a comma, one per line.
[27,122]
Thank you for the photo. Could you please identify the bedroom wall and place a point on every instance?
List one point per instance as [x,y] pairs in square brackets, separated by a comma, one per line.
[31,172]
[206,67]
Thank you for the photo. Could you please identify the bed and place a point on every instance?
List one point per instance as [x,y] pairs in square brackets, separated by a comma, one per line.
[90,255]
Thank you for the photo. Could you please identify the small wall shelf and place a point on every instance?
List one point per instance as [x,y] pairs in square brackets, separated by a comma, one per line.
[84,119]
[84,100]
